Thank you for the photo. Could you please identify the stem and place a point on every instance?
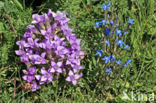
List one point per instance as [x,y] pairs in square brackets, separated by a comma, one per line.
[140,71]
[12,26]
[14,88]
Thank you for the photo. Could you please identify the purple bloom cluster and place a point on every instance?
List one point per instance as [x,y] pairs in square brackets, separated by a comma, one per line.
[113,32]
[49,48]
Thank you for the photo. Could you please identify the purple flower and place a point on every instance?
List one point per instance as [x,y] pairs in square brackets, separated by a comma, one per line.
[22,44]
[45,77]
[36,18]
[34,86]
[73,77]
[61,51]
[29,76]
[56,67]
[19,52]
[66,30]
[30,42]
[48,44]
[24,58]
[75,44]
[37,59]
[32,29]
[76,68]
[61,18]
[51,14]
[28,35]
[71,60]
[49,41]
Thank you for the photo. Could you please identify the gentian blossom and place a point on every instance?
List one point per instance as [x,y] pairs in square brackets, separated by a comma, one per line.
[99,52]
[113,44]
[106,6]
[118,32]
[109,71]
[49,49]
[107,42]
[29,76]
[34,86]
[73,77]
[103,22]
[131,21]
[107,32]
[126,47]
[97,24]
[106,59]
[118,62]
[120,43]
[128,62]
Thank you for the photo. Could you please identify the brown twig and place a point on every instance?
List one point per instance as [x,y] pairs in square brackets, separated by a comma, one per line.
[4,68]
[12,26]
[14,88]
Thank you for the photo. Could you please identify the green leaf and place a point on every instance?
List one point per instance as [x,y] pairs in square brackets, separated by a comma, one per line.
[18,4]
[1,5]
[94,61]
[1,28]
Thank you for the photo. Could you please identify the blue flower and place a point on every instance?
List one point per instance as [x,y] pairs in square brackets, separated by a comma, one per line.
[111,22]
[106,59]
[131,21]
[107,43]
[104,21]
[125,33]
[118,62]
[106,6]
[120,43]
[97,24]
[107,32]
[109,71]
[102,42]
[118,32]
[128,62]
[99,52]
[112,57]
[116,25]
[126,47]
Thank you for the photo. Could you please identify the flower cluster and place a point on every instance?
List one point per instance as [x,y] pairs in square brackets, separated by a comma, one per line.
[110,52]
[50,49]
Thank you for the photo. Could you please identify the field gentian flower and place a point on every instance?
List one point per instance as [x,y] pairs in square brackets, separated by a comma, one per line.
[73,77]
[49,43]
